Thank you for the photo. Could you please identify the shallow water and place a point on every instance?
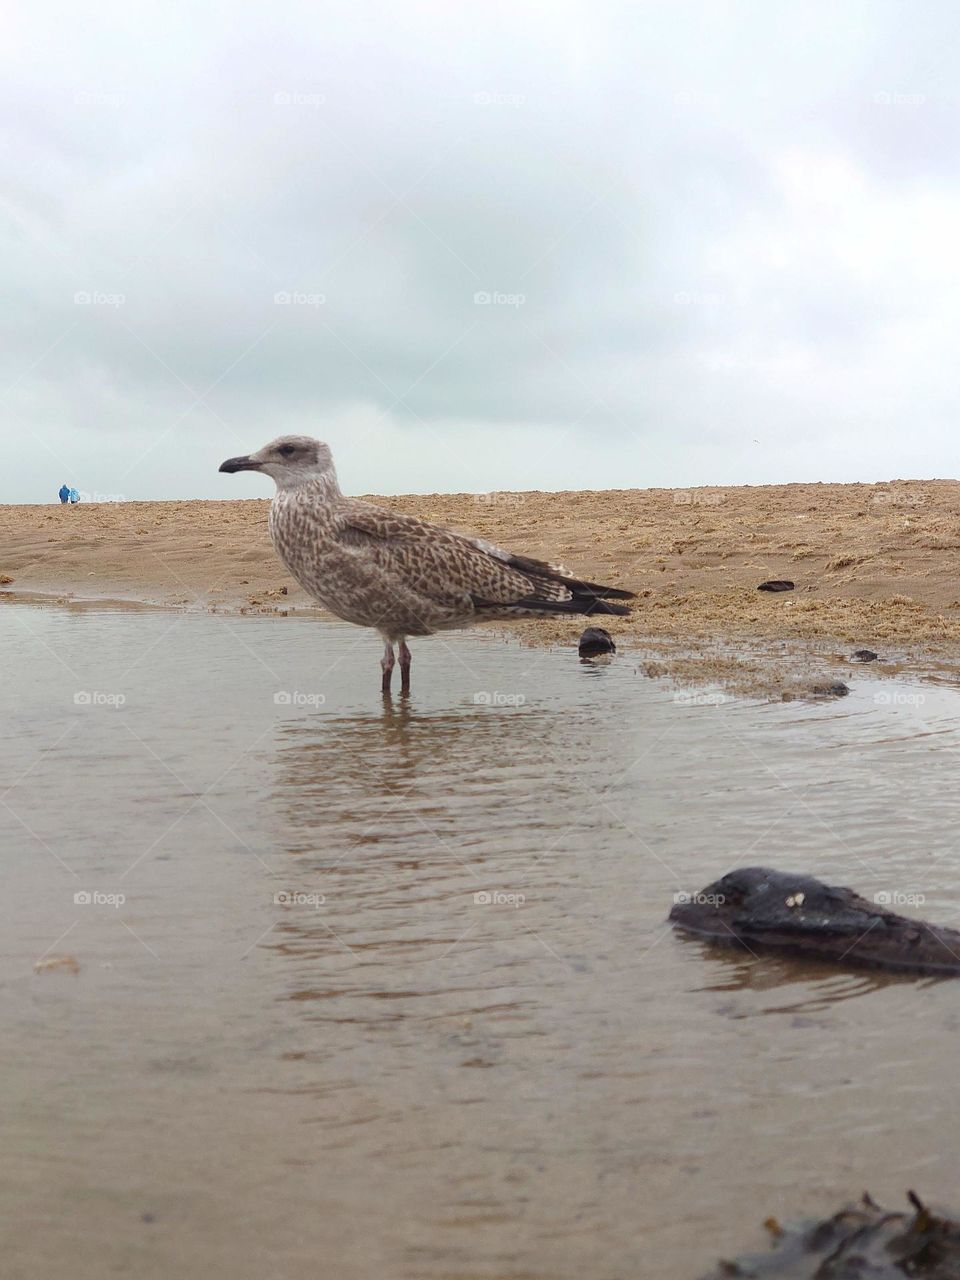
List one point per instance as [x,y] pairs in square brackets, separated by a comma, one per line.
[302,1046]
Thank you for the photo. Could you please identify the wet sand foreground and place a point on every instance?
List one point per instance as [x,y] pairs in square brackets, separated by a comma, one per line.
[875,565]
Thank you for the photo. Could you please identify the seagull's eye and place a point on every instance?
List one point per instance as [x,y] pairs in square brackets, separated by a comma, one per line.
[286,450]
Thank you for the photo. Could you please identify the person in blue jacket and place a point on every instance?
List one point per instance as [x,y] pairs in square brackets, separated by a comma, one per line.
[63,493]
[74,495]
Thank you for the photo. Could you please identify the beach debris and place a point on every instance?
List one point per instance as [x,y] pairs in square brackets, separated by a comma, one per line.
[47,963]
[5,579]
[862,1240]
[829,689]
[776,584]
[814,689]
[757,907]
[863,655]
[594,642]
[400,575]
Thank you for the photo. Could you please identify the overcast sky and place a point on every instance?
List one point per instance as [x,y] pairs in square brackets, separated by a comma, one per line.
[480,246]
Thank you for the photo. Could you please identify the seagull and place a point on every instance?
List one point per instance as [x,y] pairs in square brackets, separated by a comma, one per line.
[395,573]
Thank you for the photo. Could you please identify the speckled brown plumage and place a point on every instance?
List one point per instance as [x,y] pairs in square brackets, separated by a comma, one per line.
[403,576]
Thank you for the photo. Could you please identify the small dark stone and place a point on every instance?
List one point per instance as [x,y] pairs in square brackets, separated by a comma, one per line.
[834,689]
[864,655]
[148,1217]
[596,641]
[776,584]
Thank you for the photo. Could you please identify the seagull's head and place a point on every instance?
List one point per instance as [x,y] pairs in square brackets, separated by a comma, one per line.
[292,461]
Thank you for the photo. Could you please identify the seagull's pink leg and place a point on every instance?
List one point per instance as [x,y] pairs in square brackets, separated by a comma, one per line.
[405,656]
[387,663]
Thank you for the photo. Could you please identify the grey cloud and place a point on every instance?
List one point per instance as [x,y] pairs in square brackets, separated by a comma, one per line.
[698,226]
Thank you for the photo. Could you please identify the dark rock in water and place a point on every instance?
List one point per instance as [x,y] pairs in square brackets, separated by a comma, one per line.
[863,655]
[776,584]
[596,641]
[861,1240]
[756,907]
[830,689]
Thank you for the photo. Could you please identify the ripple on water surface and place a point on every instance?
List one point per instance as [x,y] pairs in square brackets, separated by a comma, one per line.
[391,984]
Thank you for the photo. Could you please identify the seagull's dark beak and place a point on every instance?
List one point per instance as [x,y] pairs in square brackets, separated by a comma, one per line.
[246,463]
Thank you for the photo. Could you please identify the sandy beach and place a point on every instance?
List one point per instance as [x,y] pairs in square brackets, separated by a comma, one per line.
[873,565]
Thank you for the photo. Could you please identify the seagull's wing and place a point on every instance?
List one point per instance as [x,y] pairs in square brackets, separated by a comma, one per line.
[442,564]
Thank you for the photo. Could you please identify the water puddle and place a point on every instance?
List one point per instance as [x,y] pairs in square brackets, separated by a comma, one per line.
[375,989]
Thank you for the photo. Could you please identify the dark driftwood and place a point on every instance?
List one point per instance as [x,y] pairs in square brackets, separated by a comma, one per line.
[757,908]
[860,1241]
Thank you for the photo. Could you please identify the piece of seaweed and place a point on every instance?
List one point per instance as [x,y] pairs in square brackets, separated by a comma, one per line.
[862,1240]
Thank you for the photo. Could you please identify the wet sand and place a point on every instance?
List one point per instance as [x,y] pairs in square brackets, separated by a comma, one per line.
[874,565]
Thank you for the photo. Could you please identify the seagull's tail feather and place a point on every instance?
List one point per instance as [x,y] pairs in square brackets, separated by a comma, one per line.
[559,573]
[578,604]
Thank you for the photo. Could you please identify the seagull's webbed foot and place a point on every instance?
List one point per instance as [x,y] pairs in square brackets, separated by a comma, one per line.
[405,657]
[387,663]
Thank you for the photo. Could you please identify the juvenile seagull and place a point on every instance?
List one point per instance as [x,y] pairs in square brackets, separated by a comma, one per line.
[401,575]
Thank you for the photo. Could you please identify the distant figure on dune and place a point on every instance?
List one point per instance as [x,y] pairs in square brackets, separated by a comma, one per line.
[63,493]
[74,495]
